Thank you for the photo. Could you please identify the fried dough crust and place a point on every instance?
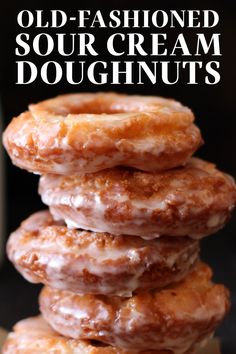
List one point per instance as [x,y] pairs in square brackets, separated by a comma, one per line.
[195,200]
[35,336]
[97,263]
[84,133]
[176,318]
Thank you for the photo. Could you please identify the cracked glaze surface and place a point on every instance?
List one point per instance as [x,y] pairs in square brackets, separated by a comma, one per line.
[195,200]
[84,133]
[175,318]
[44,250]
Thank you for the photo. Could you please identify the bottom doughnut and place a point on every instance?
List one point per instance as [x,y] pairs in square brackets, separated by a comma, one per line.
[34,336]
[176,318]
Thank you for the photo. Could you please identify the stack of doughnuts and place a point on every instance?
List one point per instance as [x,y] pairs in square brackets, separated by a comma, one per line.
[118,249]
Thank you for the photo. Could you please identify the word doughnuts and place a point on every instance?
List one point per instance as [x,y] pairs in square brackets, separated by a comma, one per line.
[35,336]
[97,263]
[195,200]
[82,133]
[175,318]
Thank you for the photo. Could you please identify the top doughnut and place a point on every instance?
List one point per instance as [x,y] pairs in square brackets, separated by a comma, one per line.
[84,133]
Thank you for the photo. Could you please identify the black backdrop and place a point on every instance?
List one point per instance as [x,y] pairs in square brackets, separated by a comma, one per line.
[213,105]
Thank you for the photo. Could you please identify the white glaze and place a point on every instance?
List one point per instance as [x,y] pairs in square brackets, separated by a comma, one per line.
[122,329]
[64,263]
[79,199]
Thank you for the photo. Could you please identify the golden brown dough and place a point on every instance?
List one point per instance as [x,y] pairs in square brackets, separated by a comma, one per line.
[82,133]
[195,200]
[35,336]
[99,263]
[176,318]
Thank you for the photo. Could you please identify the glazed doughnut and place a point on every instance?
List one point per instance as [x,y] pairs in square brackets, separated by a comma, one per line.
[97,263]
[175,318]
[195,200]
[35,336]
[82,133]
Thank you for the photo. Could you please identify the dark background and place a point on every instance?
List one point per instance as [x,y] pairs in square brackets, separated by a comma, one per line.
[213,105]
